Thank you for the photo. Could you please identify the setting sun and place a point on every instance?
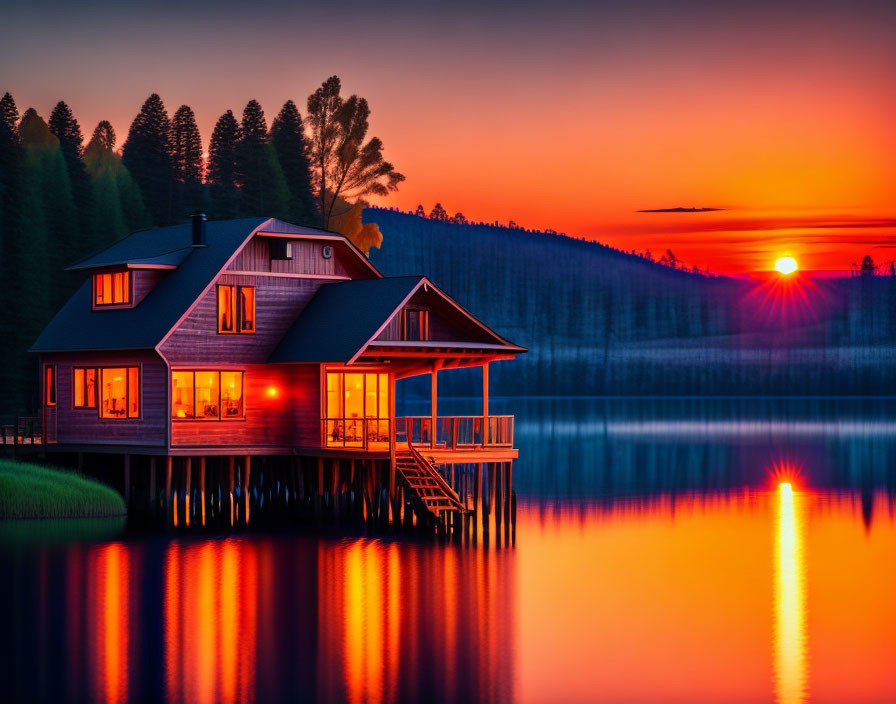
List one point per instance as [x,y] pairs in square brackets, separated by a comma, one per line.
[786,265]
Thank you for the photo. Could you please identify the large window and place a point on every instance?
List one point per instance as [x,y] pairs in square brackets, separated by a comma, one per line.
[236,309]
[84,387]
[112,289]
[357,409]
[119,392]
[206,395]
[50,385]
[414,324]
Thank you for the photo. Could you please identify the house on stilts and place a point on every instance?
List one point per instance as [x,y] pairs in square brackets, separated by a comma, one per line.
[222,346]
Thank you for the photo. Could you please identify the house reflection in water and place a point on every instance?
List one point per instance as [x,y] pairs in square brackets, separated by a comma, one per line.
[358,621]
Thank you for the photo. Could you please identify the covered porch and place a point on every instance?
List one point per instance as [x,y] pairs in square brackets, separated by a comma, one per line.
[358,407]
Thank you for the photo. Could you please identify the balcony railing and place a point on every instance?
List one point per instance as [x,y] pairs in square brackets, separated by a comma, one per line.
[357,433]
[452,432]
[456,432]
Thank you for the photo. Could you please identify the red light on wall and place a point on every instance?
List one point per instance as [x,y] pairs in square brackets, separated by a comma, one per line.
[272,392]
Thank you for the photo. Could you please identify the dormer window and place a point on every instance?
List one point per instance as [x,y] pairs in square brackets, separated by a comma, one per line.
[414,324]
[236,309]
[112,289]
[281,249]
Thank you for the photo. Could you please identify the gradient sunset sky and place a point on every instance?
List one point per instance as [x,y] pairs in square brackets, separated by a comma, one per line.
[563,115]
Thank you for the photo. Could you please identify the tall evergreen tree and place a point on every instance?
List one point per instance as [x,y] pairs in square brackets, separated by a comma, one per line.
[66,129]
[147,155]
[262,185]
[221,174]
[49,206]
[118,207]
[288,140]
[9,113]
[14,363]
[186,158]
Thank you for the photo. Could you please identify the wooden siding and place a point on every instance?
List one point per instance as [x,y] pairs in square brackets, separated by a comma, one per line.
[278,302]
[440,328]
[83,426]
[287,418]
[307,258]
[144,281]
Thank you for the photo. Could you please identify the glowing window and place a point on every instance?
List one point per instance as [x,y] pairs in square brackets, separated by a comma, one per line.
[414,324]
[120,392]
[112,289]
[231,394]
[182,395]
[50,385]
[357,411]
[236,309]
[206,395]
[84,388]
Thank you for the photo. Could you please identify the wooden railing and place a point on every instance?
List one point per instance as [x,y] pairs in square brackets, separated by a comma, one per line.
[25,431]
[355,433]
[456,432]
[452,432]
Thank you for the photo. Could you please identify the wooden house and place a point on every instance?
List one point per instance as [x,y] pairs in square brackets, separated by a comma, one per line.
[252,337]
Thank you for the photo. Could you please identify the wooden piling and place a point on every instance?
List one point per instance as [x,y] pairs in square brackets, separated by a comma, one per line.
[188,475]
[170,506]
[248,460]
[127,480]
[202,486]
[152,481]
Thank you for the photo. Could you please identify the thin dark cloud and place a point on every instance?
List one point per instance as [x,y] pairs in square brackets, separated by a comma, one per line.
[680,210]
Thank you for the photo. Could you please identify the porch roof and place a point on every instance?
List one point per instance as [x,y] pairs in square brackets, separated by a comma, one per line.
[341,319]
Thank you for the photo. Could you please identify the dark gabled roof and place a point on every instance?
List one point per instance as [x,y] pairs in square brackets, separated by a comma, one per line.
[341,319]
[77,327]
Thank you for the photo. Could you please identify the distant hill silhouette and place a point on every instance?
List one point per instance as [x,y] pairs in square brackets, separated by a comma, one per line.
[600,321]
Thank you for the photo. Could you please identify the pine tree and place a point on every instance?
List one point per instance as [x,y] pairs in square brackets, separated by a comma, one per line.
[420,212]
[262,185]
[438,213]
[186,158]
[9,113]
[15,371]
[118,207]
[66,129]
[147,155]
[49,205]
[288,140]
[221,175]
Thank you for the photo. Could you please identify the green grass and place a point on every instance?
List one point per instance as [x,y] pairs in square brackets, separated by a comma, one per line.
[32,491]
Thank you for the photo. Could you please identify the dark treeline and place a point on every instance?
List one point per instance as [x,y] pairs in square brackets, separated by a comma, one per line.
[598,321]
[61,200]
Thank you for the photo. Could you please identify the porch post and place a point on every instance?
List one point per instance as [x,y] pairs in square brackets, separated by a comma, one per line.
[392,438]
[435,394]
[485,423]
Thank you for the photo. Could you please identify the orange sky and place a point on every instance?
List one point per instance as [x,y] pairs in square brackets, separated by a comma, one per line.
[569,116]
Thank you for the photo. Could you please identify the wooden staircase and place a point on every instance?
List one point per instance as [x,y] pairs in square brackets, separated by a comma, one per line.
[428,489]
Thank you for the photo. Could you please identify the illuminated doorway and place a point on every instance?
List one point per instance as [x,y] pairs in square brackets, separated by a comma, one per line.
[357,413]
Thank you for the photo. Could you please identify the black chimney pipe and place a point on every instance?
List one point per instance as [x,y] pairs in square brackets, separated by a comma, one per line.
[199,234]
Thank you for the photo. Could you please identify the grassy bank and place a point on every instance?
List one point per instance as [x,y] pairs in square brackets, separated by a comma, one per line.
[31,491]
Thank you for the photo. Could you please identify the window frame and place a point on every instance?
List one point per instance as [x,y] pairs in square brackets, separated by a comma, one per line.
[127,392]
[51,386]
[221,416]
[96,388]
[127,290]
[235,302]
[424,324]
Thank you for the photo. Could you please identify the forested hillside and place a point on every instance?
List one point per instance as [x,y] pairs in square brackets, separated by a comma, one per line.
[600,321]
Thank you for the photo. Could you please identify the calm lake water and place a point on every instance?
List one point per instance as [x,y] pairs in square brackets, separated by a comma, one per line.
[666,551]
